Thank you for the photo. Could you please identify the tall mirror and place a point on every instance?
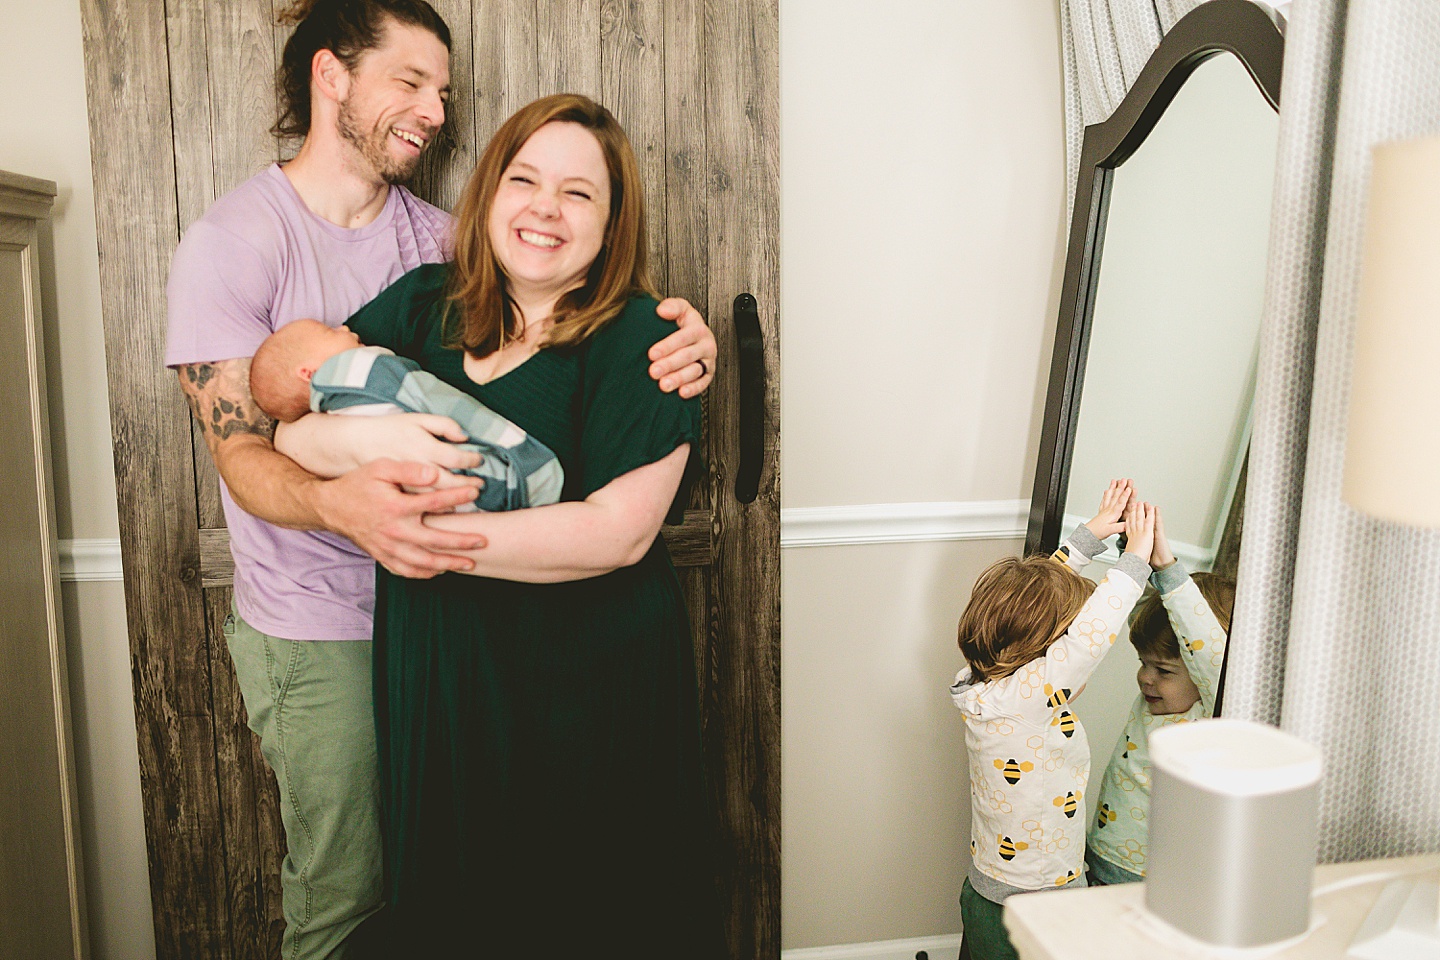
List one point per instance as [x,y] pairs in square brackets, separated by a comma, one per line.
[1154,366]
[1175,327]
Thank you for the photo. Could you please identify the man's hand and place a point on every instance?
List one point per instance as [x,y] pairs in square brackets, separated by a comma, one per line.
[685,360]
[1161,556]
[370,506]
[1108,519]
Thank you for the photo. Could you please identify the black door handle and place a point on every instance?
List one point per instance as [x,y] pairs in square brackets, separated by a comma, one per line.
[750,349]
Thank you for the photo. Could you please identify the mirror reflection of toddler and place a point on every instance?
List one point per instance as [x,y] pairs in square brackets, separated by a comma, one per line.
[1180,633]
[1032,634]
[307,365]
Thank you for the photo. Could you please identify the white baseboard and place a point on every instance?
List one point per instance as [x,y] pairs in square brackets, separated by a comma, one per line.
[934,948]
[95,560]
[903,522]
[84,561]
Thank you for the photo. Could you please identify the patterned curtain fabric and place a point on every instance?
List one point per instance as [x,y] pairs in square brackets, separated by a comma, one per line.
[1105,43]
[1337,626]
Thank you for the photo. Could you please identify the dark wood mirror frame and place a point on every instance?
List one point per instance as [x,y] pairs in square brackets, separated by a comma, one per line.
[1253,34]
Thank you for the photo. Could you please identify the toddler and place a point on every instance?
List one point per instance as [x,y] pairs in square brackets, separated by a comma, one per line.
[1033,632]
[306,365]
[1180,633]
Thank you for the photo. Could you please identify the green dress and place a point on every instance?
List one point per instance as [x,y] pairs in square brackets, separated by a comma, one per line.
[539,744]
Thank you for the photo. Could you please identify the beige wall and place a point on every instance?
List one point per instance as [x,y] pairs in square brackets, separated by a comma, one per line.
[875,809]
[47,135]
[922,187]
[922,197]
[117,881]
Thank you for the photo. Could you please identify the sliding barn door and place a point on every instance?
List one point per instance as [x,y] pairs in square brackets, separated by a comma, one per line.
[180,95]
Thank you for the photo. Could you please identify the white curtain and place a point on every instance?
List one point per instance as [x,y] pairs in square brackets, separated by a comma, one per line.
[1105,43]
[1337,626]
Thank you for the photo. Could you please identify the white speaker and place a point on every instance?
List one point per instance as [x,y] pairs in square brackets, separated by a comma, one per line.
[1233,810]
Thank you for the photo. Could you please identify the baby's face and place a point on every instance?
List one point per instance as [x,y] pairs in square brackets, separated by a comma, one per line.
[323,342]
[1166,686]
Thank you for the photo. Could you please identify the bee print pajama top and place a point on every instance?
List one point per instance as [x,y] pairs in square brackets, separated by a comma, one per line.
[1120,833]
[1029,758]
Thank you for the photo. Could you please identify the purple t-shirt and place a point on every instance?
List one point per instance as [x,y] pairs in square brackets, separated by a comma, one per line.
[258,259]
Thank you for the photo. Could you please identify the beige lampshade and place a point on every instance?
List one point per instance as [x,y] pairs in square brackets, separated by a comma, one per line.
[1392,452]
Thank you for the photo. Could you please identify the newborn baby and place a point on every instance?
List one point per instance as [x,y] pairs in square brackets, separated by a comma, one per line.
[306,365]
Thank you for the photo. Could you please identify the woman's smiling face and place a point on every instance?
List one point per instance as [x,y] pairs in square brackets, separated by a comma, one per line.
[547,221]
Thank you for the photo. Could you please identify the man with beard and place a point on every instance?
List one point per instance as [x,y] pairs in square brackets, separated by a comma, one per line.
[365,82]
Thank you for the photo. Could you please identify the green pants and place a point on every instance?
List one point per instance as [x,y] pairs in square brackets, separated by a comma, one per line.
[985,935]
[311,704]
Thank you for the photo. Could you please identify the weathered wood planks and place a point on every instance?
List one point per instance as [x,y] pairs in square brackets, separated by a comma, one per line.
[742,712]
[137,220]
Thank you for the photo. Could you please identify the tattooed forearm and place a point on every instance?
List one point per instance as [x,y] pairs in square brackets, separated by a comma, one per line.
[219,397]
[198,375]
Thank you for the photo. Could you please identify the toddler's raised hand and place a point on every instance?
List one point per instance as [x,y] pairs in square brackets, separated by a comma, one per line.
[1108,519]
[1161,556]
[1140,528]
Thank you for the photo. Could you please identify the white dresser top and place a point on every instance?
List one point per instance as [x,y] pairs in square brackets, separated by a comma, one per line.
[1104,923]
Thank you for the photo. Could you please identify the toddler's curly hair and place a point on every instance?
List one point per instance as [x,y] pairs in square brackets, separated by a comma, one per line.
[1150,630]
[1017,609]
